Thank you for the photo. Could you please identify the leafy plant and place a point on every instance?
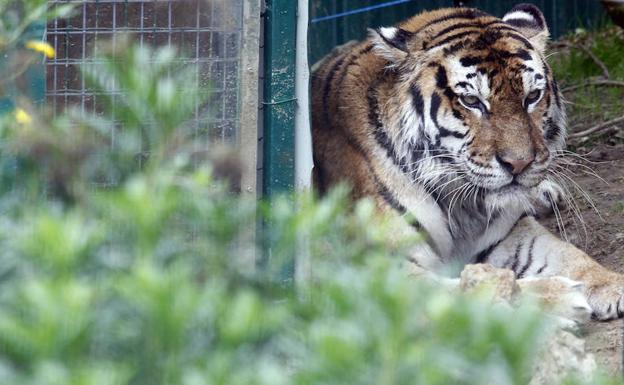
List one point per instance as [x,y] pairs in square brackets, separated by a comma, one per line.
[128,263]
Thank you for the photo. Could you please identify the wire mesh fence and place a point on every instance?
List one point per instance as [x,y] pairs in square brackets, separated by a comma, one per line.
[207,34]
[338,21]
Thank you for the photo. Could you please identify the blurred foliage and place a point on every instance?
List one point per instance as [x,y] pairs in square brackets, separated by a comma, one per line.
[125,262]
[21,30]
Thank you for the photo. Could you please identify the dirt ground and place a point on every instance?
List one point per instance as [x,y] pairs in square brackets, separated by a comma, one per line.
[604,235]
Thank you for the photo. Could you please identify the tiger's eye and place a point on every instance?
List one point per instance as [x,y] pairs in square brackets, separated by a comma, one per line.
[533,96]
[471,101]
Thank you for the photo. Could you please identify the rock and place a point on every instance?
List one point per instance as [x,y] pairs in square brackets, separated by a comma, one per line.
[502,282]
[565,355]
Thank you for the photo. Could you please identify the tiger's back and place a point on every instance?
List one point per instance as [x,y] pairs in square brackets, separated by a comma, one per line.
[334,142]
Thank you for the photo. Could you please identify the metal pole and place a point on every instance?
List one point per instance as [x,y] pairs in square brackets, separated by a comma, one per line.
[280,108]
[279,96]
[303,136]
[250,61]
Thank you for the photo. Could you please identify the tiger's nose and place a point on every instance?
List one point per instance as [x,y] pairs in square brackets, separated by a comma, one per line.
[514,164]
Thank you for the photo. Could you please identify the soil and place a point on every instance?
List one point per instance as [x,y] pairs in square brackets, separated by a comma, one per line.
[604,235]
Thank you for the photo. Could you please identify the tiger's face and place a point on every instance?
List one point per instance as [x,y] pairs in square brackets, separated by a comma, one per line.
[482,97]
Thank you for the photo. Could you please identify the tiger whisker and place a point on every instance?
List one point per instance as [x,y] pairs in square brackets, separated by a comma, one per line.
[572,206]
[584,193]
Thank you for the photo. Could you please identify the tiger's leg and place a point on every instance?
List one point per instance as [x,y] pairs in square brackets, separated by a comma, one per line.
[564,298]
[530,250]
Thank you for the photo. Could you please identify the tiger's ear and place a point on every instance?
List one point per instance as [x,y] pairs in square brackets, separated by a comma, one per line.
[390,42]
[530,21]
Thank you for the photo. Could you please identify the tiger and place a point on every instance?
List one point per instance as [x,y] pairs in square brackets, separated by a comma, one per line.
[453,122]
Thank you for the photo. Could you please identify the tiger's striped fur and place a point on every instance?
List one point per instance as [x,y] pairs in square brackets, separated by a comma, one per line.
[454,118]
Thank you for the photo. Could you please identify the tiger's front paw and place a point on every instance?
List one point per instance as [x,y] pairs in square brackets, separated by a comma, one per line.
[548,197]
[607,298]
[563,297]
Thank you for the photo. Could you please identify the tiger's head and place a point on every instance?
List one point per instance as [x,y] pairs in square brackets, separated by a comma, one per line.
[475,98]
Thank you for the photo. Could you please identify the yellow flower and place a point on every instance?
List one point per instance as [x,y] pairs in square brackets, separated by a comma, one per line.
[22,116]
[41,46]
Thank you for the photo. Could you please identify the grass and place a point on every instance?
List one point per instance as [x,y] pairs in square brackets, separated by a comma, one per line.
[573,66]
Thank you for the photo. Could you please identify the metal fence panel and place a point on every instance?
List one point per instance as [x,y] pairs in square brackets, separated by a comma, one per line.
[561,15]
[208,34]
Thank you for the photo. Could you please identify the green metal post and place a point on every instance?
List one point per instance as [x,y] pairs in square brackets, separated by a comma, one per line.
[280,26]
[280,23]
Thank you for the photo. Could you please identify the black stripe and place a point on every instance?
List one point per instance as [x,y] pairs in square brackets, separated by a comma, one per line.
[555,89]
[457,26]
[468,13]
[553,130]
[328,85]
[444,132]
[520,38]
[505,27]
[454,48]
[391,200]
[523,54]
[541,269]
[482,257]
[320,176]
[516,258]
[352,60]
[435,106]
[399,40]
[469,61]
[485,42]
[546,68]
[529,259]
[548,99]
[417,100]
[379,131]
[417,150]
[531,10]
[341,66]
[441,78]
[524,215]
[381,188]
[451,39]
[523,23]
[387,195]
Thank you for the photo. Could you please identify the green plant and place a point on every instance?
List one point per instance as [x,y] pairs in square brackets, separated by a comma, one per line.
[123,265]
[579,62]
[21,30]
